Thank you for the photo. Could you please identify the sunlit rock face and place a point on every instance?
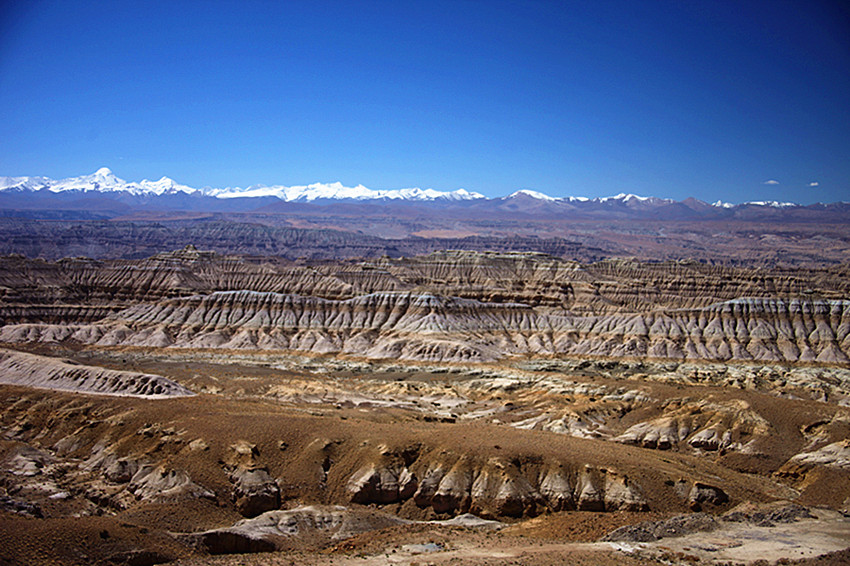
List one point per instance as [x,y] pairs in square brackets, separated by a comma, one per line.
[419,326]
[448,306]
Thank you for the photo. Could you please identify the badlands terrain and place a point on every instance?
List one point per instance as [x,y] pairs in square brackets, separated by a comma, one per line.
[442,407]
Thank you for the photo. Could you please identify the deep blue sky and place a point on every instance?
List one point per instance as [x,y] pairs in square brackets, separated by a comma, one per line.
[586,98]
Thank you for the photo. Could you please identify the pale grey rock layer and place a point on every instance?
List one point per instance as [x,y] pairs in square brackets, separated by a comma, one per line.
[429,327]
[19,368]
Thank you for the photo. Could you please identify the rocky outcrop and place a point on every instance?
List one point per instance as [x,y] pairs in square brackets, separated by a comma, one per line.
[556,488]
[703,425]
[114,468]
[373,484]
[266,532]
[424,326]
[230,541]
[154,483]
[702,494]
[18,368]
[606,490]
[767,515]
[650,531]
[18,507]
[254,491]
[762,515]
[117,239]
[447,306]
[835,455]
[84,290]
[494,488]
[622,494]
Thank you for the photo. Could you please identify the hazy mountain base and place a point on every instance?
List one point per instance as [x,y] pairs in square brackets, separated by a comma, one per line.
[375,232]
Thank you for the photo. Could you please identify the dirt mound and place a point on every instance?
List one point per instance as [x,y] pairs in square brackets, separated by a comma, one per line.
[656,530]
[273,530]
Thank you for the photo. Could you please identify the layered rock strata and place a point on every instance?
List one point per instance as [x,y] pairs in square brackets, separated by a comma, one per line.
[432,327]
[450,484]
[40,291]
[19,368]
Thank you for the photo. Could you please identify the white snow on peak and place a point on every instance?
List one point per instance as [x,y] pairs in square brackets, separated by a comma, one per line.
[102,180]
[771,203]
[23,183]
[621,196]
[161,187]
[631,198]
[532,194]
[461,194]
[338,191]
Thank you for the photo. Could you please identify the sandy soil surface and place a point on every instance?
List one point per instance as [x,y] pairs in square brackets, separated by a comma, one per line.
[742,543]
[798,543]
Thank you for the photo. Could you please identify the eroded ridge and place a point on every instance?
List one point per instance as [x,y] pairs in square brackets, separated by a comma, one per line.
[424,326]
[448,306]
[19,368]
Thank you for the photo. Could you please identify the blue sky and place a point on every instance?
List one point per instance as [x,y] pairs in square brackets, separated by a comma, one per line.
[672,99]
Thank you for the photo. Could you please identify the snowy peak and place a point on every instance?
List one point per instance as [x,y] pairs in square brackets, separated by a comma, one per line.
[629,198]
[164,186]
[338,191]
[771,203]
[531,194]
[101,180]
[22,183]
[625,198]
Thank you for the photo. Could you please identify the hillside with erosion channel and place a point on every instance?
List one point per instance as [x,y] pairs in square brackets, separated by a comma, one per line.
[450,407]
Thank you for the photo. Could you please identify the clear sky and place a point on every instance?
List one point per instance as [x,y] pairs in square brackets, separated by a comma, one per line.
[734,100]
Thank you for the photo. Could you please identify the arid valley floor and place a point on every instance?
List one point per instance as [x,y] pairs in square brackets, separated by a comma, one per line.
[450,408]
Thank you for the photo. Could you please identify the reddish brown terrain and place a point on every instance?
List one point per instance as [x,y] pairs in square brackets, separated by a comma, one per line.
[458,407]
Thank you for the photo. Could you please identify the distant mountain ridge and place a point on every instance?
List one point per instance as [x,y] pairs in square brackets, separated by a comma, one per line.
[104,181]
[398,213]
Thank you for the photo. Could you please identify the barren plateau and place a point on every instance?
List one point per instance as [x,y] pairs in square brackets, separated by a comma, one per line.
[461,407]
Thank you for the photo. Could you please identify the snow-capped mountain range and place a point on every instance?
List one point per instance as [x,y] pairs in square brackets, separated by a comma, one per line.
[104,181]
